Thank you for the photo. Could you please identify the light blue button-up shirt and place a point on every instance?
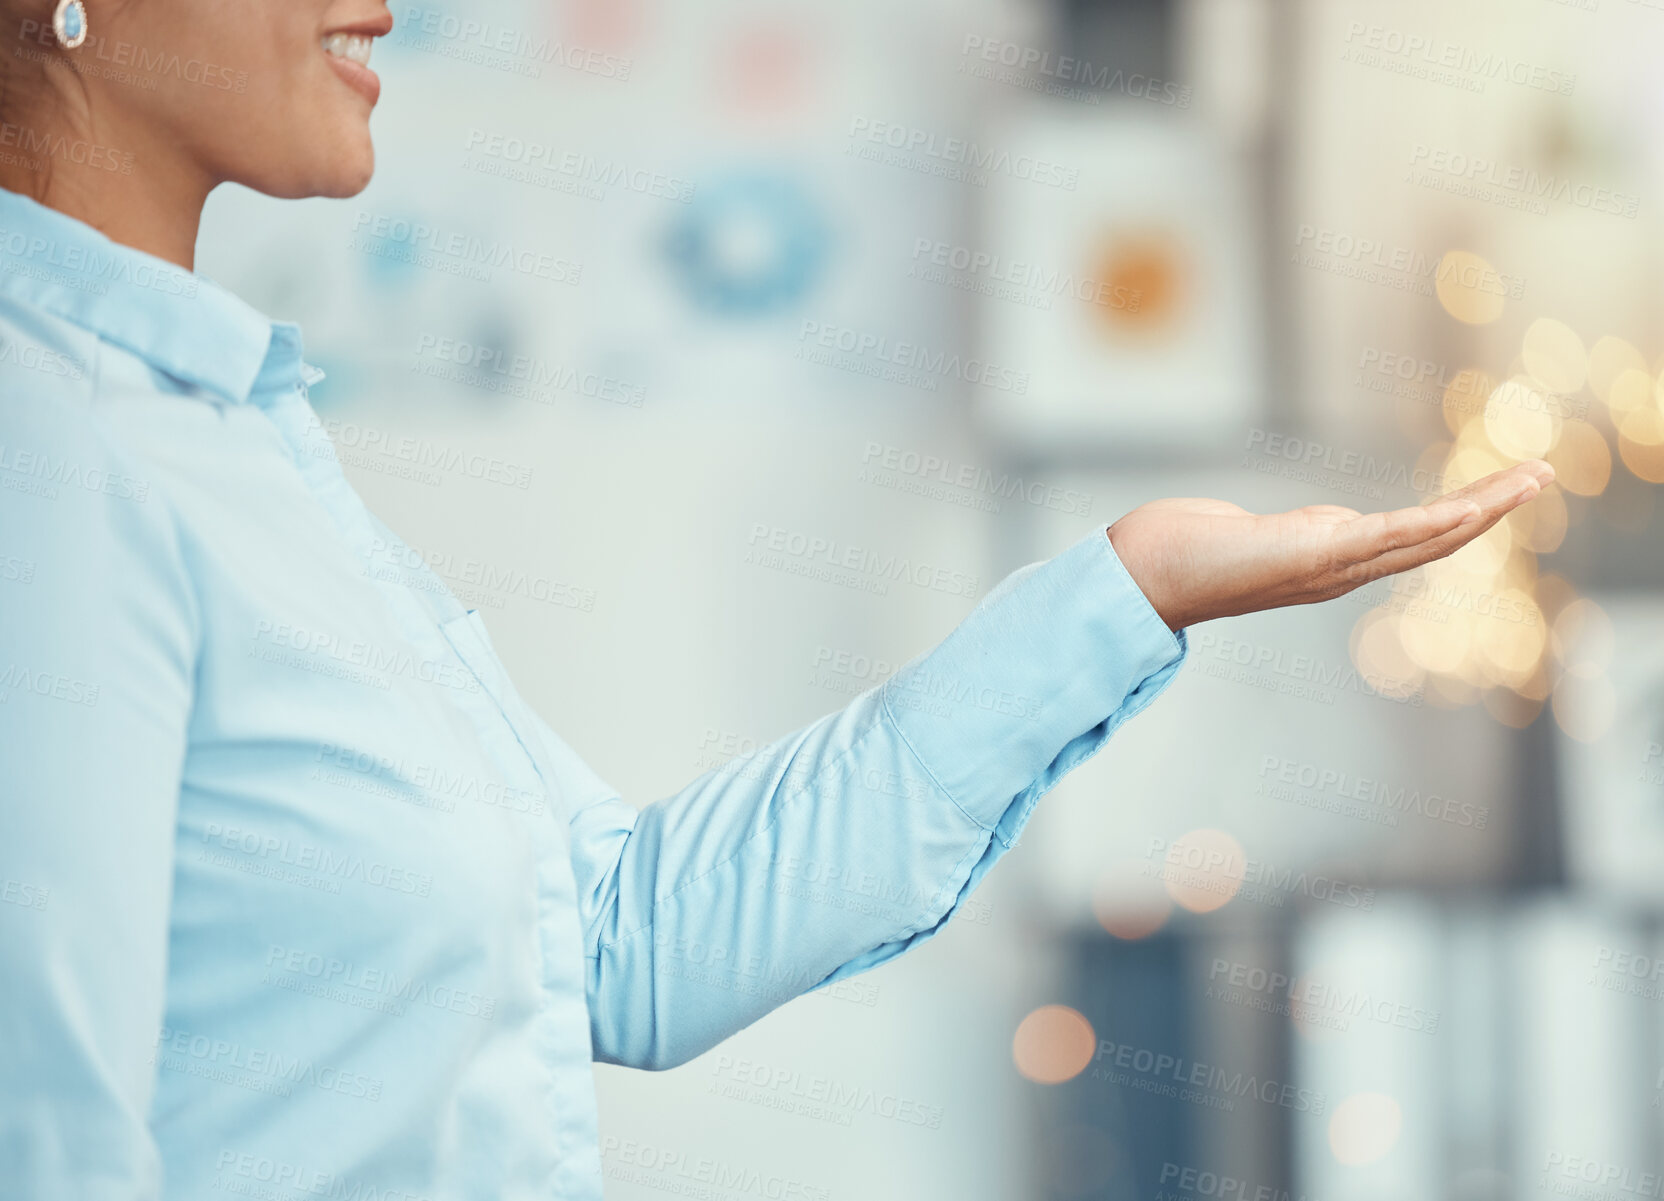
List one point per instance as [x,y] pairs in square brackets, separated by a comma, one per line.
[298,897]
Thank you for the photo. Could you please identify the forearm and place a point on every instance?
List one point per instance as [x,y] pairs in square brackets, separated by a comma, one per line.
[839,847]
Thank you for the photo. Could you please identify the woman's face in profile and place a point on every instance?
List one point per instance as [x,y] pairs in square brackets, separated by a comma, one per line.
[265,93]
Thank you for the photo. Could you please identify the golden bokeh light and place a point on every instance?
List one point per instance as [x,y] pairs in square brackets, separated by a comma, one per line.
[1379,655]
[1609,358]
[1130,905]
[1543,528]
[1519,420]
[1555,357]
[1053,1044]
[1641,444]
[1469,463]
[1450,692]
[1465,398]
[1581,459]
[1435,640]
[1203,870]
[1365,1128]
[1583,706]
[1483,626]
[1630,391]
[1485,554]
[1469,288]
[1583,639]
[1511,637]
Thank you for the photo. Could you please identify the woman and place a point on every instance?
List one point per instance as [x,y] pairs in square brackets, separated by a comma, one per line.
[301,894]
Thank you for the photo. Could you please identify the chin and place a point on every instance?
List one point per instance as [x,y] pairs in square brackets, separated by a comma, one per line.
[350,180]
[340,177]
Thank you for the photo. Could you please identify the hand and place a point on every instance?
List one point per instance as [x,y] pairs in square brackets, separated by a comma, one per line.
[1196,560]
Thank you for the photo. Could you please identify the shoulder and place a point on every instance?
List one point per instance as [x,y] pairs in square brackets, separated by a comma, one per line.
[81,505]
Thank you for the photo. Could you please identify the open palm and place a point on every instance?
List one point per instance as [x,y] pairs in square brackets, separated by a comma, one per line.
[1198,559]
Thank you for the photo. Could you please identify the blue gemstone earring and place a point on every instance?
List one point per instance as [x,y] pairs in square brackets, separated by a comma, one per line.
[69,22]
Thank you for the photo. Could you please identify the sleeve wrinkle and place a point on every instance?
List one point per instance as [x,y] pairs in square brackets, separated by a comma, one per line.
[774,817]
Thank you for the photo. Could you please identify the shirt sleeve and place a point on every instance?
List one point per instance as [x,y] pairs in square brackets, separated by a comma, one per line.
[98,630]
[842,845]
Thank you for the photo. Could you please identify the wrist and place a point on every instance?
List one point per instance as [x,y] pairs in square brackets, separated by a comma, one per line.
[1147,580]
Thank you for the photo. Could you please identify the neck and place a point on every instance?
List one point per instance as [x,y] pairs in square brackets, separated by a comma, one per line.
[132,188]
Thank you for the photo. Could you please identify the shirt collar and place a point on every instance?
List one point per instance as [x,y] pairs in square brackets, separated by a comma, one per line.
[176,320]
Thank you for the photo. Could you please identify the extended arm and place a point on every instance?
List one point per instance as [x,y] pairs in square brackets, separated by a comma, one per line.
[844,844]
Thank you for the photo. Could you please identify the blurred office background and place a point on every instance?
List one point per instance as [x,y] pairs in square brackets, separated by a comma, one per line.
[1367,906]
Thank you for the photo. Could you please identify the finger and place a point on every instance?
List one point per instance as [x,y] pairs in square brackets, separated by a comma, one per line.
[1373,535]
[1500,486]
[1379,534]
[1496,504]
[1537,469]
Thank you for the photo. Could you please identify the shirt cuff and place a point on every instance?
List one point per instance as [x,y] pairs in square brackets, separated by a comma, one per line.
[1034,682]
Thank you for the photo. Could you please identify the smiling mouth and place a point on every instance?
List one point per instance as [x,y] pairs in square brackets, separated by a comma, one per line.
[349,55]
[354,47]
